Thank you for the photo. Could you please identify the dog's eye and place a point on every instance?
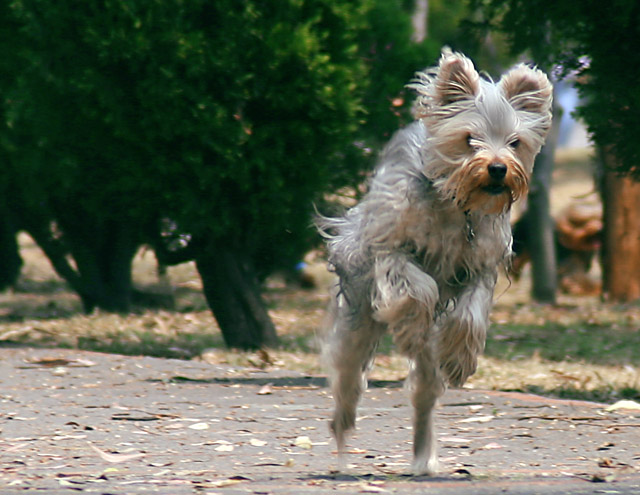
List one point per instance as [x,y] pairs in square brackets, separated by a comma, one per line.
[515,143]
[469,139]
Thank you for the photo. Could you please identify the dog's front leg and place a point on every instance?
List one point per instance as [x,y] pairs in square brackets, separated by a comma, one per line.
[461,334]
[427,386]
[404,298]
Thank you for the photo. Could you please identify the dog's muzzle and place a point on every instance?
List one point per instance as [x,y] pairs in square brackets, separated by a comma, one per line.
[497,172]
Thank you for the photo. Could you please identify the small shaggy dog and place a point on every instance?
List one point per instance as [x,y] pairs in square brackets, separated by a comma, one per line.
[419,254]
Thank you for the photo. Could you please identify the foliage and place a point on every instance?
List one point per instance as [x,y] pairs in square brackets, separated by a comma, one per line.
[228,117]
[216,124]
[596,41]
[393,60]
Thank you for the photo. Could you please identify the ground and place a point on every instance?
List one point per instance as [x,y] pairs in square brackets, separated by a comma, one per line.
[111,424]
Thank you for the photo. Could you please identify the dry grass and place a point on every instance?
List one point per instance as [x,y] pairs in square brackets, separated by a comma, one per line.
[579,348]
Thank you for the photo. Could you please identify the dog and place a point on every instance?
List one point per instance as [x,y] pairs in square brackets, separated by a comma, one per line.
[419,254]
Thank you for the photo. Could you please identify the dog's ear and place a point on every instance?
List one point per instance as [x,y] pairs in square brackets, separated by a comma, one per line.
[457,79]
[527,89]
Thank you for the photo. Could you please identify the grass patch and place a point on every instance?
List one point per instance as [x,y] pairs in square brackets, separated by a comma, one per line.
[587,343]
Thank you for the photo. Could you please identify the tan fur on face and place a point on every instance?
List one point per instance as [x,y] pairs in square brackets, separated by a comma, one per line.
[469,182]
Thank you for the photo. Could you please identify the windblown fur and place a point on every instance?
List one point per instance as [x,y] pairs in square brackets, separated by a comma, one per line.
[418,256]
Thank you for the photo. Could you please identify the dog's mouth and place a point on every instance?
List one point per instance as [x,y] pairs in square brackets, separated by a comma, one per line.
[495,189]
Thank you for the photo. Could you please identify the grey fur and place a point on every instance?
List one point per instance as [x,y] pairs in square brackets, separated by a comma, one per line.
[419,254]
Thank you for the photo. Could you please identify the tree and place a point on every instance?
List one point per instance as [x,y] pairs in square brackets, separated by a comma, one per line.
[621,236]
[221,116]
[219,123]
[9,251]
[544,278]
[598,41]
[68,169]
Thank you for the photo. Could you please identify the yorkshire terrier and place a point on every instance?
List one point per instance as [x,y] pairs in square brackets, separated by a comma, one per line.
[419,254]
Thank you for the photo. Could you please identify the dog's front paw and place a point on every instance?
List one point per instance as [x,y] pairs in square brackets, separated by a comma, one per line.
[426,466]
[403,291]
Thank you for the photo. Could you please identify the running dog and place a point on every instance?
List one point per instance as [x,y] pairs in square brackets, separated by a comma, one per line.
[418,255]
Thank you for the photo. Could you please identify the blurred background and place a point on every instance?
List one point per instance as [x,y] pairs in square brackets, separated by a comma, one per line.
[161,163]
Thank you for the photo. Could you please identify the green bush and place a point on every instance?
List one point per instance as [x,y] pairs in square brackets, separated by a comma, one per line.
[225,120]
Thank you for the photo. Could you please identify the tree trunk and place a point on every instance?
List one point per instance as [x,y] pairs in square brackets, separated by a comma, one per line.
[103,252]
[102,255]
[10,260]
[233,294]
[106,267]
[621,236]
[544,271]
[419,21]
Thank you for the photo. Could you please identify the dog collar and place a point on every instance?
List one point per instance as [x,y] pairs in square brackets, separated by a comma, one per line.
[471,234]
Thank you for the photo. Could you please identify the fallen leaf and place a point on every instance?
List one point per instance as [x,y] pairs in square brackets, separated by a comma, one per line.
[16,447]
[605,462]
[624,404]
[303,442]
[372,488]
[126,416]
[53,362]
[106,456]
[477,419]
[463,472]
[224,448]
[49,362]
[264,355]
[199,426]
[266,389]
[601,478]
[356,450]
[455,440]
[223,483]
[491,446]
[606,446]
[233,480]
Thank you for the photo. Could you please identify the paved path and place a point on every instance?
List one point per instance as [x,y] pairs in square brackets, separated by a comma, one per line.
[76,421]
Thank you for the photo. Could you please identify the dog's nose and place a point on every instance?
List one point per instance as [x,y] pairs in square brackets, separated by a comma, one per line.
[497,170]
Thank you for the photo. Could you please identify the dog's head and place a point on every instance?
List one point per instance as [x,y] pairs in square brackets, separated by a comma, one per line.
[482,136]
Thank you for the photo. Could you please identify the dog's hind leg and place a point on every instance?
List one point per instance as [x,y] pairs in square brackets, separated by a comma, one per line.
[427,386]
[349,353]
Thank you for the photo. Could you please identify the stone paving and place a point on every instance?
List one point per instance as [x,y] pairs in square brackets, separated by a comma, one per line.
[75,421]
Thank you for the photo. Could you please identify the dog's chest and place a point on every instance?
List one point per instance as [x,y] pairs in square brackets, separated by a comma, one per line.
[451,246]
